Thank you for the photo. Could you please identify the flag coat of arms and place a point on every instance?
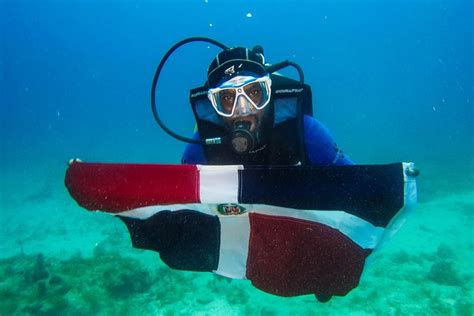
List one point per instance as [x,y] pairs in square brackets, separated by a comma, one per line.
[289,230]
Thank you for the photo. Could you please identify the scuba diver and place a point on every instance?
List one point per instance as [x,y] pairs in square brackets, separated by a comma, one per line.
[265,117]
[249,114]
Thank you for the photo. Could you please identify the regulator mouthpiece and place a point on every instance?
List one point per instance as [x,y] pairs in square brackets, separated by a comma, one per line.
[241,139]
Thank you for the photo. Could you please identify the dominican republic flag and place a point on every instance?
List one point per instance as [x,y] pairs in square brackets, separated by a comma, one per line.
[289,230]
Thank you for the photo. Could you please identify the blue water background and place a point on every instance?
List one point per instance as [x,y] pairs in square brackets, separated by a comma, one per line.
[392,80]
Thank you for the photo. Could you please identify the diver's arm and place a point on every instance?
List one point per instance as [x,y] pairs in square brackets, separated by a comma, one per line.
[320,145]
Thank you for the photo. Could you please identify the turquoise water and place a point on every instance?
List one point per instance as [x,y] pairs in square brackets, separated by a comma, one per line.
[392,80]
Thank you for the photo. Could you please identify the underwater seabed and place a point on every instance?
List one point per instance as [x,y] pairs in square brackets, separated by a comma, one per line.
[58,259]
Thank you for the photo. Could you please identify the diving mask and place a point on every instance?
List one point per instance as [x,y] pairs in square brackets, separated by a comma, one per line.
[247,94]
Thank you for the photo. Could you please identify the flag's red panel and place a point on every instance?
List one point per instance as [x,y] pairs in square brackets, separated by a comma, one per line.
[119,187]
[290,257]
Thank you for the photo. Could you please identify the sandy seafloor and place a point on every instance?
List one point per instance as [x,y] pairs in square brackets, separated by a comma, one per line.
[58,259]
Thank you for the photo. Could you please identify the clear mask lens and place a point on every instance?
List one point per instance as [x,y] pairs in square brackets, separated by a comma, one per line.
[253,93]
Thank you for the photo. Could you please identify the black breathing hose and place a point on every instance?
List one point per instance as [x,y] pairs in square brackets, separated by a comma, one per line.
[284,64]
[155,82]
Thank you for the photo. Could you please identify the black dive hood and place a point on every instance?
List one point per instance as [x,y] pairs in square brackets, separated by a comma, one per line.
[240,139]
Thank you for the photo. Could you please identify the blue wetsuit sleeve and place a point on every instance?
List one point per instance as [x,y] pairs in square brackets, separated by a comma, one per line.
[320,146]
[194,153]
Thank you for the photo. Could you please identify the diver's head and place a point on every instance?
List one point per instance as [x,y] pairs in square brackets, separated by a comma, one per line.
[240,92]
